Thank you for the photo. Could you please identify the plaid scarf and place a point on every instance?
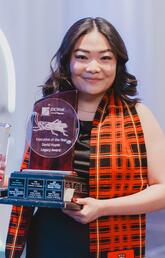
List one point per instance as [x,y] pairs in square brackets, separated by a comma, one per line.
[118,167]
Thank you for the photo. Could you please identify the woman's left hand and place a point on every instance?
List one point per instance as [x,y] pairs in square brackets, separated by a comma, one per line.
[90,211]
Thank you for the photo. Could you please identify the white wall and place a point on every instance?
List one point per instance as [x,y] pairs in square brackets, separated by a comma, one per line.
[34,29]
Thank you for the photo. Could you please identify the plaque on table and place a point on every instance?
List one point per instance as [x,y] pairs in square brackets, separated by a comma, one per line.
[50,180]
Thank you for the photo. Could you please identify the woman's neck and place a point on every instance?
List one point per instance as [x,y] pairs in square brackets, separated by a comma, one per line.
[87,106]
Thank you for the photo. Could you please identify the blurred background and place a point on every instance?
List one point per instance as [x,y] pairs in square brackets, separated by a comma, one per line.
[31,32]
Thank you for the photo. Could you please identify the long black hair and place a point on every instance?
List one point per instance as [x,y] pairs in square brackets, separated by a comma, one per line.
[124,84]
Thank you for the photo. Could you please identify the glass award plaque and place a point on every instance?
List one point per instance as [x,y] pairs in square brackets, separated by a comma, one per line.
[53,128]
[50,180]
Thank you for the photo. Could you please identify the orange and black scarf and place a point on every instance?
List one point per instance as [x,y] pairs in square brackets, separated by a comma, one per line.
[118,167]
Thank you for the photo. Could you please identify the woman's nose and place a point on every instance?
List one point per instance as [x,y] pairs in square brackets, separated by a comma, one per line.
[93,67]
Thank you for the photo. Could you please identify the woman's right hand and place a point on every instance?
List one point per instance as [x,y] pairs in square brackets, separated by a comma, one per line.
[5,182]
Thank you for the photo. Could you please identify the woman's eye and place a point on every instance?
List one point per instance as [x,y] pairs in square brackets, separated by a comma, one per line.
[106,58]
[81,57]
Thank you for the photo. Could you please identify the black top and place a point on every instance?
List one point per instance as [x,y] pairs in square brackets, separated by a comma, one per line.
[52,233]
[81,152]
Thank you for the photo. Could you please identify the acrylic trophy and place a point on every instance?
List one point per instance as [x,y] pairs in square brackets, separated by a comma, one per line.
[50,180]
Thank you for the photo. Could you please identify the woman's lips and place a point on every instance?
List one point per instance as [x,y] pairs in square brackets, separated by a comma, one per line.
[92,80]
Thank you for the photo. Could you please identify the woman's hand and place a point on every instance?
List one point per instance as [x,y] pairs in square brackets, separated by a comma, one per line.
[5,182]
[91,210]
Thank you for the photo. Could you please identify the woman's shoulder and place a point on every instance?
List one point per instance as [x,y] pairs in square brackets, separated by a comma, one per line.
[149,122]
[145,113]
[143,109]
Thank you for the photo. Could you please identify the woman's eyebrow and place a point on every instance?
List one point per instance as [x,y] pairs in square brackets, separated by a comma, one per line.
[81,49]
[87,51]
[106,50]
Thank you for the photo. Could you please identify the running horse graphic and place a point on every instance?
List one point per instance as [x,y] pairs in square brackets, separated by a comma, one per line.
[54,126]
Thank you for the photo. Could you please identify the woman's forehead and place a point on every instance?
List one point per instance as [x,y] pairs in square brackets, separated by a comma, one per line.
[92,41]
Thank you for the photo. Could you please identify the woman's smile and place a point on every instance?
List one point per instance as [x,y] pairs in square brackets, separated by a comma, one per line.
[92,80]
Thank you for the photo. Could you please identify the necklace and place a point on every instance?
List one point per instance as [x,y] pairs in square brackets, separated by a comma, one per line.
[85,111]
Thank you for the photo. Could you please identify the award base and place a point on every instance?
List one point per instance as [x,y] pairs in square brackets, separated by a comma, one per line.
[45,188]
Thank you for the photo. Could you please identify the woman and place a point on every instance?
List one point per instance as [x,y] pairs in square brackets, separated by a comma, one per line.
[126,177]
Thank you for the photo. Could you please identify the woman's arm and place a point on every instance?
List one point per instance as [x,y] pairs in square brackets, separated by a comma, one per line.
[150,199]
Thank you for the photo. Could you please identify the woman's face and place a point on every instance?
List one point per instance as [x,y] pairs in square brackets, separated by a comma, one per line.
[93,64]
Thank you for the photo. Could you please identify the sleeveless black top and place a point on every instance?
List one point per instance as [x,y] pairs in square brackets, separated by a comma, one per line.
[52,233]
